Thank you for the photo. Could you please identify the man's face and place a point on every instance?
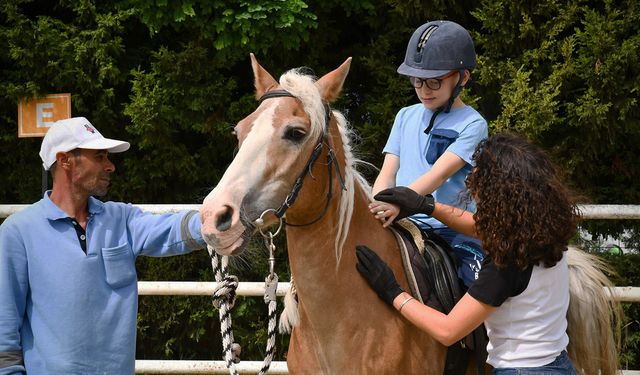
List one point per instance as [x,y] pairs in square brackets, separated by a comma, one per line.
[91,171]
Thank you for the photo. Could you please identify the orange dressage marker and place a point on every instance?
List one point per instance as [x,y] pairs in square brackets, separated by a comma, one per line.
[35,116]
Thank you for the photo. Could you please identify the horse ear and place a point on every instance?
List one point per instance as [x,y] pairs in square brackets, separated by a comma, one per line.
[331,83]
[263,80]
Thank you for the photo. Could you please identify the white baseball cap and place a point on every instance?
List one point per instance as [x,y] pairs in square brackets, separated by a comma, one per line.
[77,132]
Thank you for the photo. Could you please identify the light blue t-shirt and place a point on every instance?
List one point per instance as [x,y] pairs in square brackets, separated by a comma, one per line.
[67,312]
[458,131]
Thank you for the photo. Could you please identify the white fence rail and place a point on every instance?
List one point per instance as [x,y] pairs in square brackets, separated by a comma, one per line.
[256,289]
[189,288]
[589,211]
[214,367]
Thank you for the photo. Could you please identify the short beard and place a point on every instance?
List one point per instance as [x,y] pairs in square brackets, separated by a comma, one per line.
[97,191]
[100,192]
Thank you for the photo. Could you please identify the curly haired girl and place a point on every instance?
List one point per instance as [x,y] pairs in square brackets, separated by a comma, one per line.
[525,217]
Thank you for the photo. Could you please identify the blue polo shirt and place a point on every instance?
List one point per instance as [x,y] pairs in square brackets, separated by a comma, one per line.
[458,131]
[70,312]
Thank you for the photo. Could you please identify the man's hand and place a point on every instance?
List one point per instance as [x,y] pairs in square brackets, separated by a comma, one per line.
[378,274]
[409,201]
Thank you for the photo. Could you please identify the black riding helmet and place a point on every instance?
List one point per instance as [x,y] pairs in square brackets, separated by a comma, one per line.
[435,49]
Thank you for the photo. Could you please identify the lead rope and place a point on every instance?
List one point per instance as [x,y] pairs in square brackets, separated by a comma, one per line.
[224,298]
[270,288]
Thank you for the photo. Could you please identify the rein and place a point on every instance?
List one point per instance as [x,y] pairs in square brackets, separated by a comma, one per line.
[331,160]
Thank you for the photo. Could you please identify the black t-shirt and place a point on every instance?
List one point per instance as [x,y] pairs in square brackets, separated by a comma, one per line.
[495,285]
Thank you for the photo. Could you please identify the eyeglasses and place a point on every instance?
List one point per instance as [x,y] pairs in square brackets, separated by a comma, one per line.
[432,83]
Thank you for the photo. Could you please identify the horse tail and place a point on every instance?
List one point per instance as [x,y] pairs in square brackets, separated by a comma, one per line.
[290,316]
[594,317]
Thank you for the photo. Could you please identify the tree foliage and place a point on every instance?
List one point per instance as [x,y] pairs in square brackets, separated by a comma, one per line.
[563,73]
[172,76]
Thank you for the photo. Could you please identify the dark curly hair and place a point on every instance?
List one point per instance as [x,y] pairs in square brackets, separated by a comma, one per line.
[525,214]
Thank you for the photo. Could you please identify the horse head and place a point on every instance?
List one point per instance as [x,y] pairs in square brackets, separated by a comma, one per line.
[277,145]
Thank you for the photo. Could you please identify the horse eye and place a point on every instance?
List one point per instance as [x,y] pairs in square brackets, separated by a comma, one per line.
[294,134]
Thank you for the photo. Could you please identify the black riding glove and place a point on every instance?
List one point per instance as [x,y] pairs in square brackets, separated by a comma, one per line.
[409,201]
[378,274]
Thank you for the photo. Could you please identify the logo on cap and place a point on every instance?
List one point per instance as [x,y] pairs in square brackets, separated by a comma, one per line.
[89,129]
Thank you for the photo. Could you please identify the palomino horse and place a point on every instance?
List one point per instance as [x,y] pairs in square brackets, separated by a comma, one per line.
[295,156]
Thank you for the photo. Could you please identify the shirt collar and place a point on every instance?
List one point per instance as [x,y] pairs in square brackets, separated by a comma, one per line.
[54,212]
[95,206]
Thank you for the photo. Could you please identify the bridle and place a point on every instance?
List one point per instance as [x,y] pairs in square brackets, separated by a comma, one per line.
[331,160]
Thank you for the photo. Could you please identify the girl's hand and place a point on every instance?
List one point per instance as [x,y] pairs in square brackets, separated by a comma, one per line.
[385,212]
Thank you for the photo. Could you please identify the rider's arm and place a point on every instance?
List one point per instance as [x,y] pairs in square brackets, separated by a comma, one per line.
[446,166]
[387,176]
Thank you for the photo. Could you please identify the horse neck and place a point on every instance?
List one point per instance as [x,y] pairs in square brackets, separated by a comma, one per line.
[340,317]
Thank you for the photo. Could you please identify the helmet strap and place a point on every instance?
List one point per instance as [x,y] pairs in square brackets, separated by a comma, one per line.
[433,119]
[454,94]
[456,91]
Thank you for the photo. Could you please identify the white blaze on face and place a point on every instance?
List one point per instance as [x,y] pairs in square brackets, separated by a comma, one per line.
[244,173]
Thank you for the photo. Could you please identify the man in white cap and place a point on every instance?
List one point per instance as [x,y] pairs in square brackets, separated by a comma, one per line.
[68,284]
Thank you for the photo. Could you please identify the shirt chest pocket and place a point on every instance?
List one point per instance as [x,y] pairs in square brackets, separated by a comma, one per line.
[119,265]
[440,140]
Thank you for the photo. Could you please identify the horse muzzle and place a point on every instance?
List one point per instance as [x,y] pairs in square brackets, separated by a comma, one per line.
[222,228]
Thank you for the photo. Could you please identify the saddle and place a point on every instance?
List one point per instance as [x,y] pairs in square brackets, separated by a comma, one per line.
[431,271]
